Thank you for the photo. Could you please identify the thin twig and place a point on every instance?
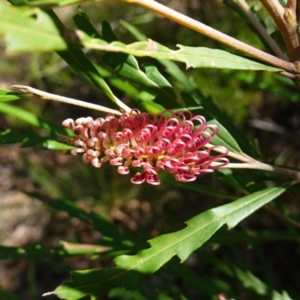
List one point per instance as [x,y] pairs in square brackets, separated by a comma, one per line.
[53,97]
[251,163]
[265,167]
[238,156]
[215,34]
[281,216]
[243,5]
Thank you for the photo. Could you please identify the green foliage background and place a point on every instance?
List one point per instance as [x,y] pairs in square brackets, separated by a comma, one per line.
[87,217]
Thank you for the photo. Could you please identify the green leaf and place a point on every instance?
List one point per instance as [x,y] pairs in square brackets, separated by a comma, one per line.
[82,21]
[31,139]
[209,286]
[167,95]
[9,137]
[206,103]
[6,95]
[55,145]
[248,279]
[193,57]
[77,60]
[100,223]
[131,270]
[7,295]
[127,67]
[30,118]
[239,137]
[38,251]
[134,31]
[224,138]
[119,65]
[20,30]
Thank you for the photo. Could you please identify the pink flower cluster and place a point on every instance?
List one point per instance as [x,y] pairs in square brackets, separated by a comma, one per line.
[171,141]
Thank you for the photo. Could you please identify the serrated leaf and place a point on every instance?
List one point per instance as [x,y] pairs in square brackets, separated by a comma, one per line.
[195,57]
[19,29]
[131,270]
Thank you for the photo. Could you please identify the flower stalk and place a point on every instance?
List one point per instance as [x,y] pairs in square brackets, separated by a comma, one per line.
[250,163]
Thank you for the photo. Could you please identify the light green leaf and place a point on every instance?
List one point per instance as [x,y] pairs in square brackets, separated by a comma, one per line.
[55,145]
[131,270]
[195,57]
[6,95]
[30,118]
[19,28]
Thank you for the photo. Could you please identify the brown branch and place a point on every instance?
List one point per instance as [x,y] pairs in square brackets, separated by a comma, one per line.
[244,6]
[215,34]
[286,21]
[291,4]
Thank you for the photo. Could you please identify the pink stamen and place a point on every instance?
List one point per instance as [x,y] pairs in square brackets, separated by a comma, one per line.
[170,141]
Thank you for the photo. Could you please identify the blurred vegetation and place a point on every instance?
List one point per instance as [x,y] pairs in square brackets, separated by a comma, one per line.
[252,261]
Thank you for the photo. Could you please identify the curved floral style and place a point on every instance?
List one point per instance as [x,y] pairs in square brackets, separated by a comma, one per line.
[171,141]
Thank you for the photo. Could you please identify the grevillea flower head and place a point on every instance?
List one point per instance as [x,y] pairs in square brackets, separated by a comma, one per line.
[170,141]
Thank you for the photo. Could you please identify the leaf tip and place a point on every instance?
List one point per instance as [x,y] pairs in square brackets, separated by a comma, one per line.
[48,294]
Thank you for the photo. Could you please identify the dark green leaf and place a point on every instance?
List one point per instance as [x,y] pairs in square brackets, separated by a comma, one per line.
[10,137]
[77,60]
[224,138]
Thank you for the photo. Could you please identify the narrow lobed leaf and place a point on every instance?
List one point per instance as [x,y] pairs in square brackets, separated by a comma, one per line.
[131,270]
